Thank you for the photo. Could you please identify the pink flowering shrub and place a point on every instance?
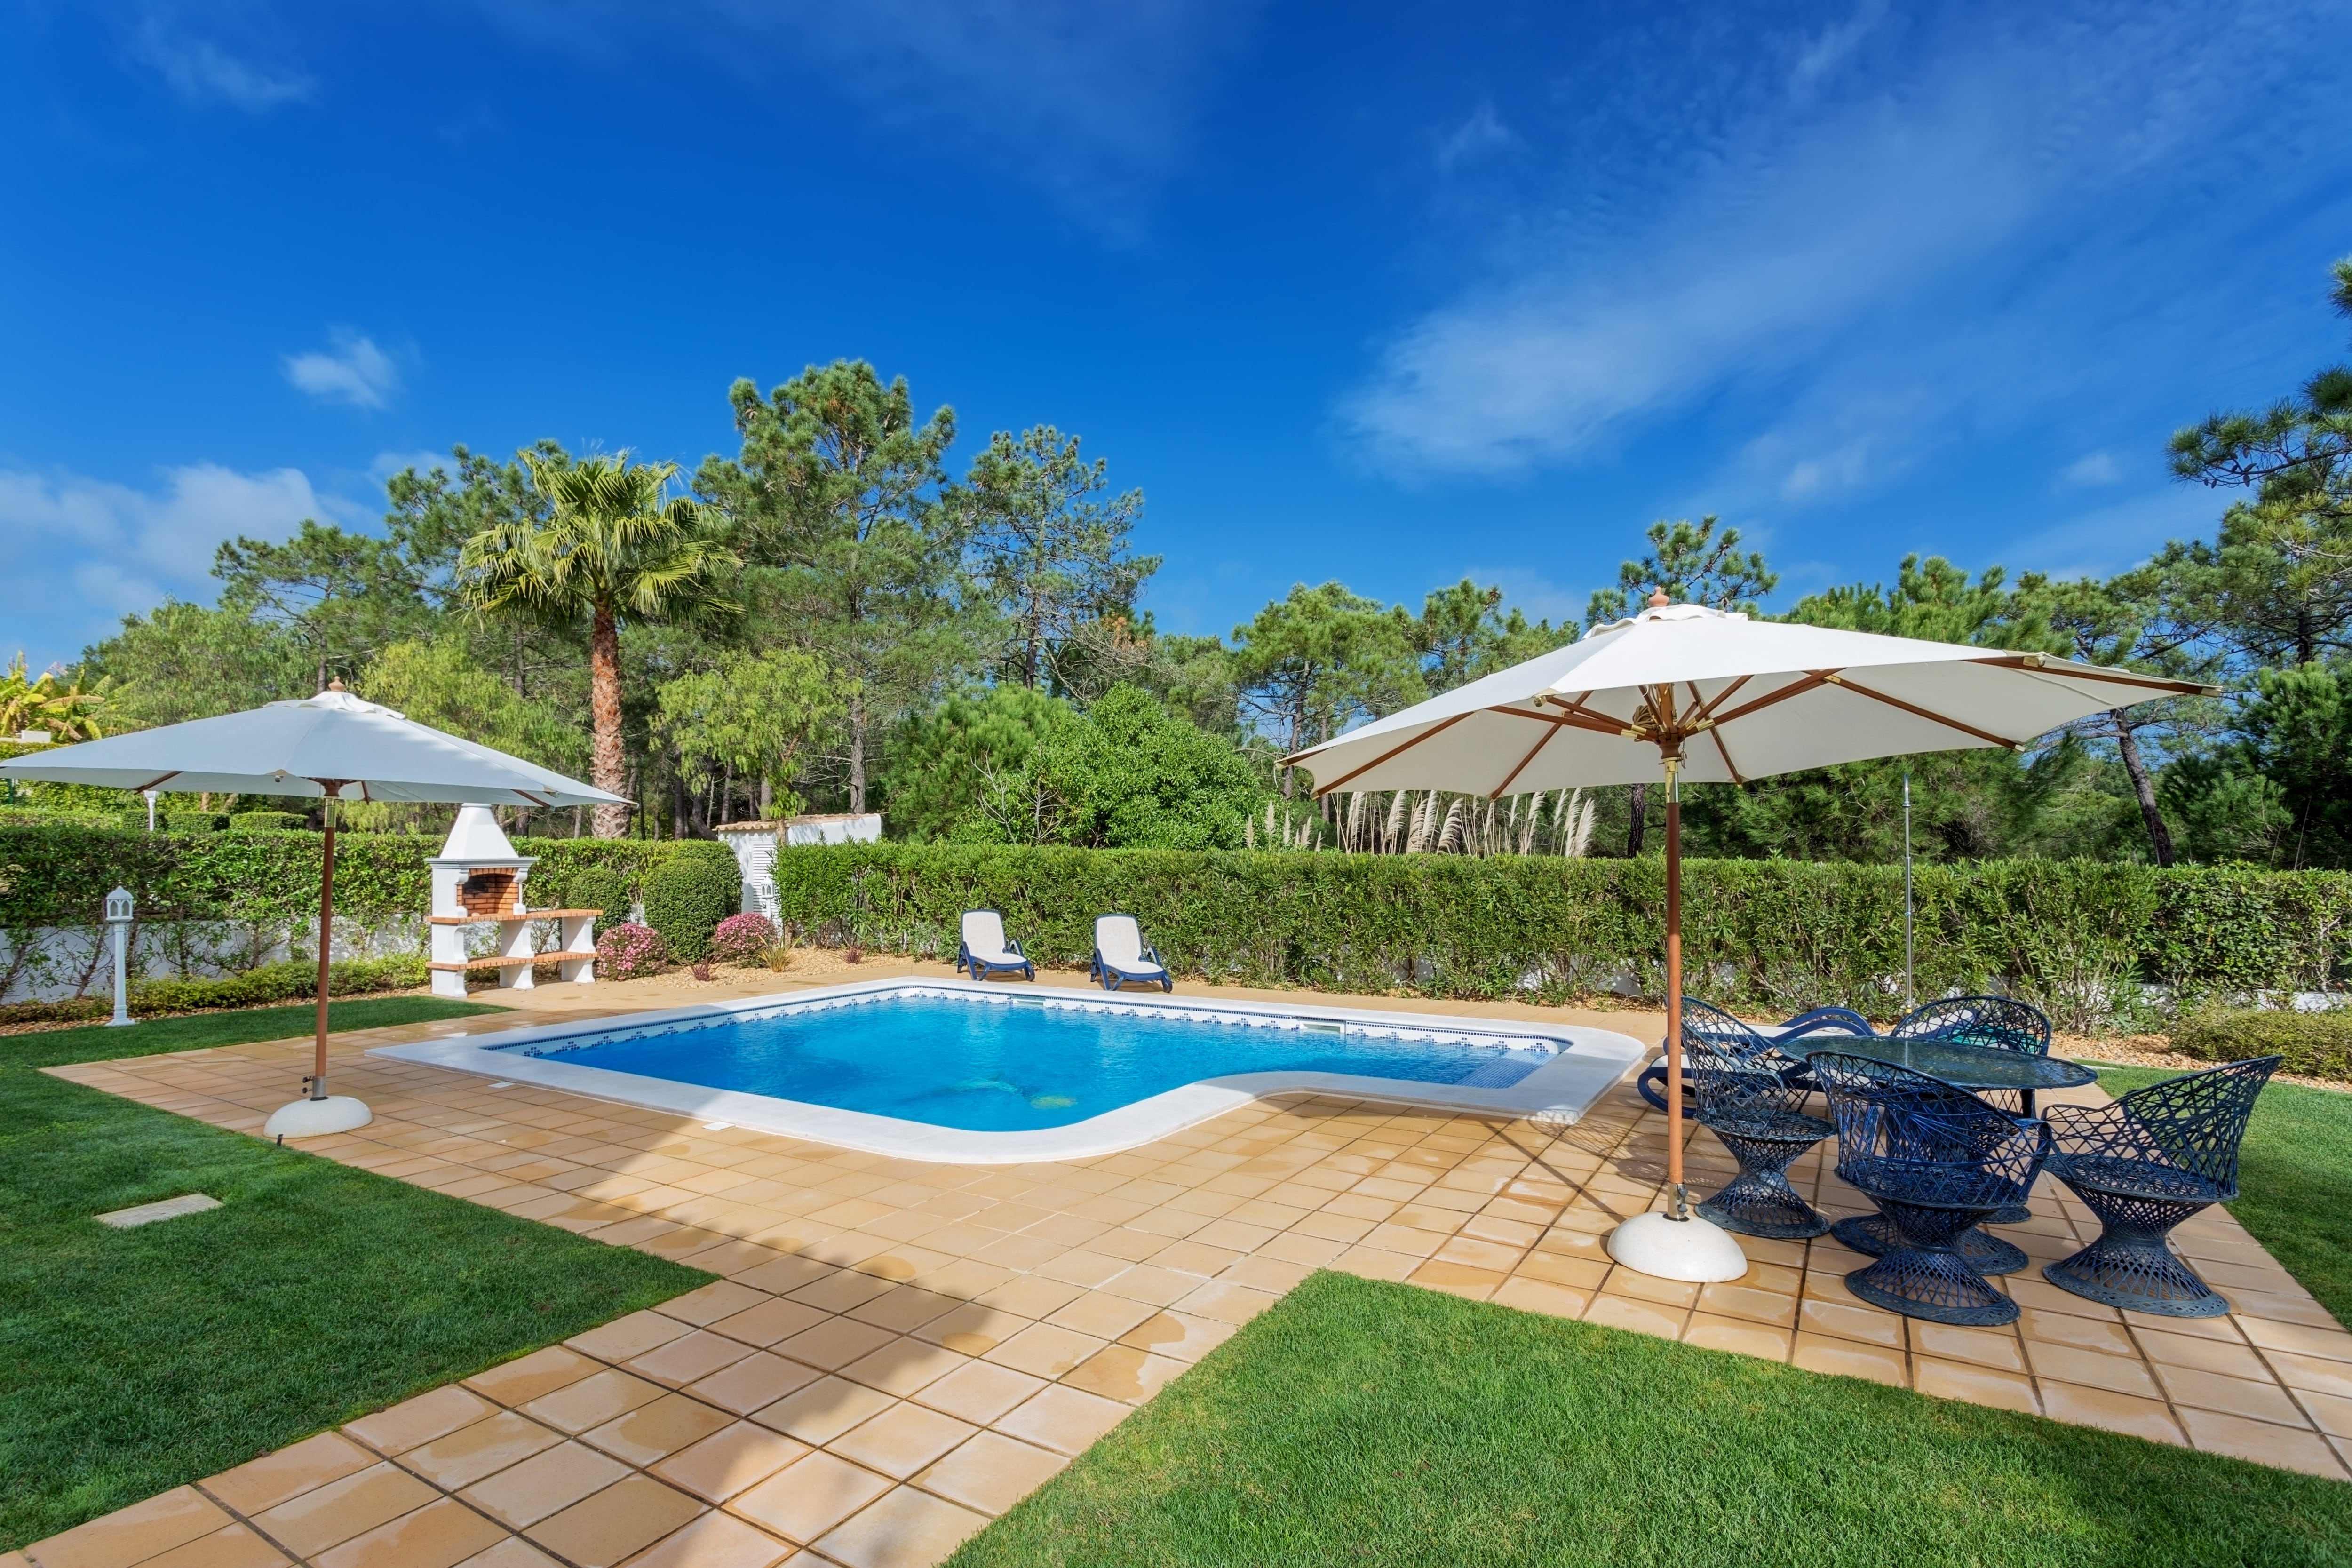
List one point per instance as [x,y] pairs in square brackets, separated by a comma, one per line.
[627,950]
[743,939]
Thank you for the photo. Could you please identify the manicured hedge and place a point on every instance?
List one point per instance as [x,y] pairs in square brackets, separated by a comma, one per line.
[2315,1045]
[688,894]
[289,981]
[2080,938]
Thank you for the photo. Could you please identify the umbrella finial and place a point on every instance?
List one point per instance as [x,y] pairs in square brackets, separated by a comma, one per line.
[1658,600]
[336,684]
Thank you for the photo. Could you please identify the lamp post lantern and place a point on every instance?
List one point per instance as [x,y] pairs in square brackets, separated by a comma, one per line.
[118,915]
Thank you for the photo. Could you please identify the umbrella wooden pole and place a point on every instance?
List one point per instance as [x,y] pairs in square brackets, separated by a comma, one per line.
[1676,1193]
[326,949]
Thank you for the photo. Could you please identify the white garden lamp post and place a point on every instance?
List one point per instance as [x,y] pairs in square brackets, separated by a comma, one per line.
[118,916]
[1710,697]
[332,746]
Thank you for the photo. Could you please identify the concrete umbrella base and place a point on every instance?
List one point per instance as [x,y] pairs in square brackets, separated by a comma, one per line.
[1665,1248]
[317,1118]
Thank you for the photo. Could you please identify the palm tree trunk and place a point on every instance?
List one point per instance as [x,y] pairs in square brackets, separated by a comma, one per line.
[2159,837]
[604,770]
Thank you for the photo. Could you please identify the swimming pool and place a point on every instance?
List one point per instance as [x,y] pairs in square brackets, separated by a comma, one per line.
[961,1071]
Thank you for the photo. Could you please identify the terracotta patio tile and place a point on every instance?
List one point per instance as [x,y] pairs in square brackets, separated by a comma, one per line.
[289,1472]
[785,1275]
[684,1359]
[1975,1383]
[824,1410]
[2288,1447]
[1644,1288]
[1045,1350]
[901,1440]
[905,1309]
[1639,1316]
[1531,1295]
[604,1529]
[2100,1334]
[441,1533]
[1744,1335]
[527,1378]
[1372,1263]
[834,1344]
[719,1298]
[713,1540]
[235,1547]
[2315,1374]
[991,1472]
[1740,1298]
[592,1401]
[729,1460]
[514,1551]
[906,1529]
[1995,1348]
[753,1382]
[2228,1357]
[772,1319]
[1180,1336]
[470,1453]
[842,1291]
[1851,1358]
[904,1365]
[809,1497]
[2332,1414]
[1124,1373]
[329,1515]
[980,1391]
[2117,1374]
[1102,1314]
[631,1336]
[419,1420]
[544,1484]
[654,1431]
[2260,1401]
[2083,1406]
[1224,1302]
[1063,1420]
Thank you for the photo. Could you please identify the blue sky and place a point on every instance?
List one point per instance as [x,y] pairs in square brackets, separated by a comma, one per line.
[1390,294]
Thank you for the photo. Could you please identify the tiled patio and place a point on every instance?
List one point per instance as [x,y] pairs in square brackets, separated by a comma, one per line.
[899,1351]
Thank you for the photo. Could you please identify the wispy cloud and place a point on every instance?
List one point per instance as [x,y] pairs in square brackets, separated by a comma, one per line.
[201,72]
[89,550]
[1481,132]
[1827,52]
[1811,258]
[2091,470]
[353,371]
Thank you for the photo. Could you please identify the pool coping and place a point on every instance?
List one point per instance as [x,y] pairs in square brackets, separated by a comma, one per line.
[1557,1093]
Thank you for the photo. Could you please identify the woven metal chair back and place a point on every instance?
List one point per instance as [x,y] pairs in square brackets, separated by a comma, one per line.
[1904,1134]
[2001,1022]
[1735,1071]
[2194,1124]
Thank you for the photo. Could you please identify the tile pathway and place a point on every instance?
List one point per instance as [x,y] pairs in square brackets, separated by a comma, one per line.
[899,1351]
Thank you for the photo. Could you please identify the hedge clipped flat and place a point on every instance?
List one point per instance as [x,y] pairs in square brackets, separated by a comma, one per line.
[688,894]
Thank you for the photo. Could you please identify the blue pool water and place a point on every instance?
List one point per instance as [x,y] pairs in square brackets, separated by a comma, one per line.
[995,1065]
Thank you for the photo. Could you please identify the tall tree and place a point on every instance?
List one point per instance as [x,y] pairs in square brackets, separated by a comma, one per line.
[1049,544]
[614,545]
[1466,633]
[751,715]
[1691,563]
[835,499]
[183,661]
[339,596]
[1309,665]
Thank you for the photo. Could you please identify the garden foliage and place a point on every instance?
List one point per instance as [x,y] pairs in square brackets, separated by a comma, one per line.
[743,939]
[2079,938]
[2314,1045]
[688,894]
[627,951]
[294,980]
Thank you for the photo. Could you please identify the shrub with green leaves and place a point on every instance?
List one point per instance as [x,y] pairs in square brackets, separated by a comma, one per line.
[2314,1045]
[743,939]
[289,981]
[598,888]
[267,822]
[688,894]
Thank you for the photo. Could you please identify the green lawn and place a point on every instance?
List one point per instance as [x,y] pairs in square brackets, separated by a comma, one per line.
[133,1361]
[1374,1423]
[2295,1172]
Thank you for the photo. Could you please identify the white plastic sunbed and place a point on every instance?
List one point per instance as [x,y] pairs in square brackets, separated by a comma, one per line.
[986,951]
[1120,955]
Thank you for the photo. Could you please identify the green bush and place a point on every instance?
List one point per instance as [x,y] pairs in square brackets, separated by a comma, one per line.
[688,894]
[2315,1045]
[268,822]
[2077,938]
[598,888]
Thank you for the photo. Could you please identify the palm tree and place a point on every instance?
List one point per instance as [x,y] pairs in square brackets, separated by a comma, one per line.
[614,543]
[68,715]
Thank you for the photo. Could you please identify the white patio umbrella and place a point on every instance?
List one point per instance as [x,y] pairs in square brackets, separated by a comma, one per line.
[1715,698]
[332,745]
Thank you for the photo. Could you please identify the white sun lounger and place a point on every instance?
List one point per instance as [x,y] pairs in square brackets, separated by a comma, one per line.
[1121,956]
[986,951]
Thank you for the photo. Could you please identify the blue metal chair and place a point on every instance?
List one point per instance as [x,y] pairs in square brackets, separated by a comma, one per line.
[1937,1160]
[1746,1096]
[1651,1085]
[2144,1163]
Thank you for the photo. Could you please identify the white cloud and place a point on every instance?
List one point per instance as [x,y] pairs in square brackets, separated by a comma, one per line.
[1832,48]
[1821,259]
[201,72]
[80,553]
[424,461]
[1483,132]
[355,372]
[2091,470]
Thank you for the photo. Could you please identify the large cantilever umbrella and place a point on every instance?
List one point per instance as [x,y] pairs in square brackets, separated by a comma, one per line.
[332,745]
[1715,698]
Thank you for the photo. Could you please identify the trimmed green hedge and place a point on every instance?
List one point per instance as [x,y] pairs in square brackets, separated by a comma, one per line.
[292,981]
[2315,1045]
[2079,938]
[688,894]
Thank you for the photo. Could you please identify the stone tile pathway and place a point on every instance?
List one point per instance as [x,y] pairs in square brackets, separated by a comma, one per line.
[899,1351]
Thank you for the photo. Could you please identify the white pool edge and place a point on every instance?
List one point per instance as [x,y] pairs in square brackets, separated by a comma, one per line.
[1557,1093]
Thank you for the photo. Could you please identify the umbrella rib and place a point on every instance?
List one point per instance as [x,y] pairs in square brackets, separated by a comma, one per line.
[1541,742]
[2115,677]
[1396,750]
[1930,716]
[158,783]
[1794,688]
[1600,725]
[1707,709]
[1715,731]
